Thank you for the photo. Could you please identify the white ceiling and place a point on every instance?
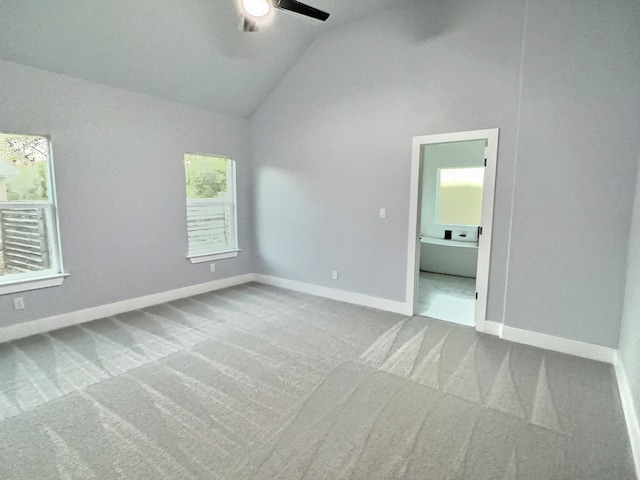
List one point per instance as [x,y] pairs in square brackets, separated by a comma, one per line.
[190,51]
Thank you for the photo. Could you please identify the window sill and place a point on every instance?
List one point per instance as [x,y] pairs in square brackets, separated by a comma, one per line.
[33,283]
[213,256]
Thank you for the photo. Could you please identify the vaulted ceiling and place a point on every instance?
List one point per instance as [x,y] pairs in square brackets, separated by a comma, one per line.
[190,51]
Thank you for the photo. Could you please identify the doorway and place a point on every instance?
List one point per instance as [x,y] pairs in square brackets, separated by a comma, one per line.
[451,218]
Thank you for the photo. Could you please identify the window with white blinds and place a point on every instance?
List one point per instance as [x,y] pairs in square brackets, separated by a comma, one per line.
[29,243]
[211,207]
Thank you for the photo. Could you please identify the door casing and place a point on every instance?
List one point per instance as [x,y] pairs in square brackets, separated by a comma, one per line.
[488,196]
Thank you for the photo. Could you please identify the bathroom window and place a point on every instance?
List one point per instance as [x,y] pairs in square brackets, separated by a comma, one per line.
[29,246]
[211,207]
[459,196]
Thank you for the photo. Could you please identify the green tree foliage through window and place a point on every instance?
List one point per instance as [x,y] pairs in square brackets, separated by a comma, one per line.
[206,176]
[24,162]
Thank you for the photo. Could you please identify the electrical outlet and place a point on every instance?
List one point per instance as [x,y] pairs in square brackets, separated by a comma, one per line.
[334,274]
[212,267]
[18,303]
[383,213]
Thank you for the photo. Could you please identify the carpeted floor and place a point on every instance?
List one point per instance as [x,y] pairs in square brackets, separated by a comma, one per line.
[256,382]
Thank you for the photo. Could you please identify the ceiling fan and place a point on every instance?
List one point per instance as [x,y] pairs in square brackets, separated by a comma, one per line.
[254,10]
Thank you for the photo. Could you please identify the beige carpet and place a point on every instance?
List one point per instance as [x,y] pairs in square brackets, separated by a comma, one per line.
[256,382]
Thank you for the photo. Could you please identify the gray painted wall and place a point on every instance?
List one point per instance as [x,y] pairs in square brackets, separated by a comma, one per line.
[120,185]
[576,169]
[630,331]
[332,144]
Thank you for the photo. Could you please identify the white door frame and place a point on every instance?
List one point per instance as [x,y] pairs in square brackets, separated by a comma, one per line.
[484,240]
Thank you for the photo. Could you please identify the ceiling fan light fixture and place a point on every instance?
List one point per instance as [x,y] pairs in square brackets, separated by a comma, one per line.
[256,8]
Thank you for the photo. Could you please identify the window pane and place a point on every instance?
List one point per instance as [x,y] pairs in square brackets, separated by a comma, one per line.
[209,227]
[207,177]
[24,168]
[27,233]
[460,196]
[210,204]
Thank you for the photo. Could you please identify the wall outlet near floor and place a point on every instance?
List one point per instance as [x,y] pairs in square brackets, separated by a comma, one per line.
[18,303]
[212,267]
[334,274]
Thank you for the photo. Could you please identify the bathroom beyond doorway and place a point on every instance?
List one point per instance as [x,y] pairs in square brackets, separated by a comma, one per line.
[489,138]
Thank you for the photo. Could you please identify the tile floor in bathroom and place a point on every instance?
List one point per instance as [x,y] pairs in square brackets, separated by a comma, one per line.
[447,297]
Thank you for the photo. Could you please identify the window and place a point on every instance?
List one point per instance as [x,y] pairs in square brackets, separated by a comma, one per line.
[459,200]
[29,248]
[211,207]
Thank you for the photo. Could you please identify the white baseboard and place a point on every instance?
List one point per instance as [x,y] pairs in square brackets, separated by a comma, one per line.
[490,328]
[335,294]
[630,413]
[559,344]
[56,322]
[549,342]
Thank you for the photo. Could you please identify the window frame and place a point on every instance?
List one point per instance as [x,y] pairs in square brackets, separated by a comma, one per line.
[55,275]
[232,250]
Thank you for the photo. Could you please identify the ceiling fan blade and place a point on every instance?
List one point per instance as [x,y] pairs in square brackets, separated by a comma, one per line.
[301,8]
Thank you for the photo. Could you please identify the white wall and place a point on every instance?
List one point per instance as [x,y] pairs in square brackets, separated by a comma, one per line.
[120,184]
[332,144]
[629,353]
